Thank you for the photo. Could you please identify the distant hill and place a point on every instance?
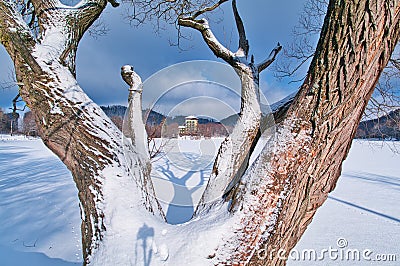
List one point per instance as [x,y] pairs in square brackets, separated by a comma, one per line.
[153,118]
[120,110]
[384,127]
[114,110]
[230,120]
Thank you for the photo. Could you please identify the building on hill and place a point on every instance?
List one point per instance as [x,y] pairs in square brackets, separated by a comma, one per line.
[191,126]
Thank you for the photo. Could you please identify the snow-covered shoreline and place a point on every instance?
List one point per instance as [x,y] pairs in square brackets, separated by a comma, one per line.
[8,137]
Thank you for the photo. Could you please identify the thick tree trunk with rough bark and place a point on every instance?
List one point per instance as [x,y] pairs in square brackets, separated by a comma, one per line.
[272,202]
[356,42]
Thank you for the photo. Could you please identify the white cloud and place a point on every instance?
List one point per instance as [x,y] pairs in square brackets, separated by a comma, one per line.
[200,98]
[180,82]
[204,107]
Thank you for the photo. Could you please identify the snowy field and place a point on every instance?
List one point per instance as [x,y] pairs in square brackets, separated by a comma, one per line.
[39,214]
[362,213]
[40,223]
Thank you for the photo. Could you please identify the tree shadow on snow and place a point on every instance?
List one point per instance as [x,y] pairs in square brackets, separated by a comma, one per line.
[394,219]
[181,207]
[386,180]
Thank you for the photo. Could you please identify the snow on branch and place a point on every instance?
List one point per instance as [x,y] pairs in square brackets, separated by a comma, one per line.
[85,10]
[135,126]
[271,58]
[203,27]
[68,23]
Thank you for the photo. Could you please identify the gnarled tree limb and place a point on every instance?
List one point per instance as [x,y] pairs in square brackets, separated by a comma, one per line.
[244,47]
[208,9]
[215,46]
[271,58]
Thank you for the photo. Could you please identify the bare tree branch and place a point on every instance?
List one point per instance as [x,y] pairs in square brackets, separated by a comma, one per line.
[216,47]
[395,62]
[154,130]
[311,19]
[271,58]
[244,135]
[209,9]
[243,49]
[113,3]
[163,13]
[98,29]
[15,107]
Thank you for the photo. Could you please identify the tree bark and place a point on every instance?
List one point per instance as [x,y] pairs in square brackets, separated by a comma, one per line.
[235,148]
[282,191]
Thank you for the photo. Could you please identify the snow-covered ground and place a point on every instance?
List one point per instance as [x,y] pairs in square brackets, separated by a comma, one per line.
[39,215]
[362,214]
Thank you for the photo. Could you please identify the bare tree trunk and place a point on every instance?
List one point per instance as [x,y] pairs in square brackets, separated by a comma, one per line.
[134,126]
[229,164]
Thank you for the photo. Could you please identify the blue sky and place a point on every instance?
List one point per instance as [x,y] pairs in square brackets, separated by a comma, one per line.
[99,60]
